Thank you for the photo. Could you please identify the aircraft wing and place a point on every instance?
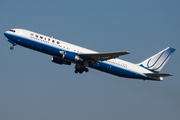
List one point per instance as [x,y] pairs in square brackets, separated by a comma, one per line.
[104,56]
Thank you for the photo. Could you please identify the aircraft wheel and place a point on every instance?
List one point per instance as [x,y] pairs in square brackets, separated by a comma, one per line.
[80,72]
[86,70]
[76,71]
[11,47]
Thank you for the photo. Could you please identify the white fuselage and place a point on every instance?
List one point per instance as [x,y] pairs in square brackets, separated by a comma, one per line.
[52,46]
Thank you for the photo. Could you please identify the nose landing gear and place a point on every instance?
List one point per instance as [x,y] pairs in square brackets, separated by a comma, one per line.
[13,44]
[12,47]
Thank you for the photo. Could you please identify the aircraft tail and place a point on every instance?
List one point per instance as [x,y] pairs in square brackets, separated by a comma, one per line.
[156,62]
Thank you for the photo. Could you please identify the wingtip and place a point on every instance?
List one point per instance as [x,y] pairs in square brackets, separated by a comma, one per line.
[127,52]
[170,74]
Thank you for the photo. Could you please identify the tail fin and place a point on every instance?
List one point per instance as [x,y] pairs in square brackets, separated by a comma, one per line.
[156,62]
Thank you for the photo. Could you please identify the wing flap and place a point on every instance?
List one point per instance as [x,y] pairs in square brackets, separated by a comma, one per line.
[104,56]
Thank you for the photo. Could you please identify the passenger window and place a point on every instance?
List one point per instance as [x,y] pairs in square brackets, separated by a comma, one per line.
[53,41]
[58,42]
[37,36]
[41,37]
[48,39]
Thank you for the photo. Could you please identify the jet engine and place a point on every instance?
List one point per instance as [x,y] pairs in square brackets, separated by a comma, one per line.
[70,56]
[60,61]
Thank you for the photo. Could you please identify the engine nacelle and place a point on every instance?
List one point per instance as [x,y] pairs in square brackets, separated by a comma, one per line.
[70,56]
[60,61]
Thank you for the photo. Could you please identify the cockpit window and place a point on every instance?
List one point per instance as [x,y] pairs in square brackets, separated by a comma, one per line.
[12,30]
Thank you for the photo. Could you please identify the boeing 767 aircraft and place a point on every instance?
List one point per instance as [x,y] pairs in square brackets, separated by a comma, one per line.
[66,53]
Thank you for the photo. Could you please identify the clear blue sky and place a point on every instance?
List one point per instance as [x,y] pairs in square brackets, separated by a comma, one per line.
[34,88]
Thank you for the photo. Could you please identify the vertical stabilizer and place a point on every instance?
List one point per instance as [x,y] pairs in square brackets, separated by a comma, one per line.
[156,62]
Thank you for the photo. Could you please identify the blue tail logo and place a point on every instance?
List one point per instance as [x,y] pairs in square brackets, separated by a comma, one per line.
[156,62]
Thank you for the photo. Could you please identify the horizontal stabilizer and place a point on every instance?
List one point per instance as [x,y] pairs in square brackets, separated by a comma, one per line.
[157,75]
[104,56]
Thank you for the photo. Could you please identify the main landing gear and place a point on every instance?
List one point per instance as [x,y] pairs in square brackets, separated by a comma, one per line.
[80,68]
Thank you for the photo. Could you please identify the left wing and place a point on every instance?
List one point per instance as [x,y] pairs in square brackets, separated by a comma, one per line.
[104,56]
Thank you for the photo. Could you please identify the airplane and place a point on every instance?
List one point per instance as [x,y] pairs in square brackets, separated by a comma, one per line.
[66,53]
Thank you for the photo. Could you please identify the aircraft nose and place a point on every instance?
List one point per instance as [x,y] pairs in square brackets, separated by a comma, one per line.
[6,33]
